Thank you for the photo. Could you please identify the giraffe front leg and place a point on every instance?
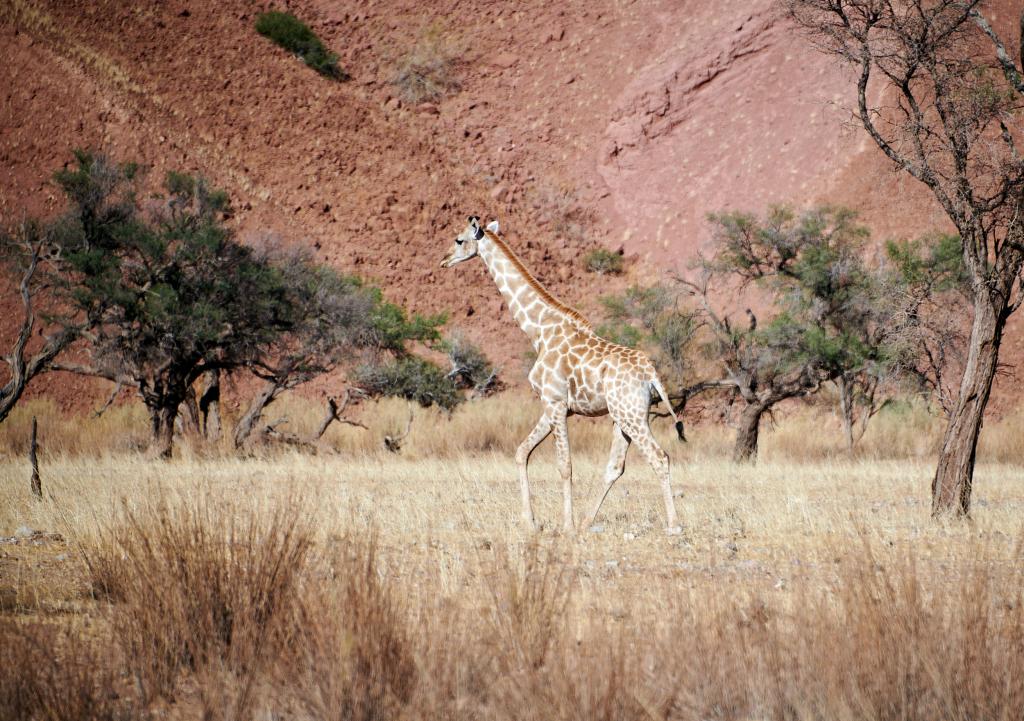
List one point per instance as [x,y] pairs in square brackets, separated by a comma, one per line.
[538,434]
[561,429]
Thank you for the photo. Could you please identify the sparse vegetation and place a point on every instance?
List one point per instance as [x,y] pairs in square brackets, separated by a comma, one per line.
[604,262]
[470,367]
[383,601]
[295,36]
[558,207]
[429,71]
[954,127]
[410,377]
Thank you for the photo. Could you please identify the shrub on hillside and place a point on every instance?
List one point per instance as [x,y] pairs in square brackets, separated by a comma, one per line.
[603,262]
[295,36]
[427,72]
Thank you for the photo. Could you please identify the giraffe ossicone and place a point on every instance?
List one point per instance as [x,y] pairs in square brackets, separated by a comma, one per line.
[576,372]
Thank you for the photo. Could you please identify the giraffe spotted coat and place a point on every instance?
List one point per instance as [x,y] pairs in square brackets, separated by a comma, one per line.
[576,372]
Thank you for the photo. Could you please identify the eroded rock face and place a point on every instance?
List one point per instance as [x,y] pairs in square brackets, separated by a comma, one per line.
[731,109]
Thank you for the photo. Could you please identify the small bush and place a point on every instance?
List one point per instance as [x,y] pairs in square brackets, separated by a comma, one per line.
[603,262]
[470,367]
[198,591]
[412,378]
[295,36]
[427,73]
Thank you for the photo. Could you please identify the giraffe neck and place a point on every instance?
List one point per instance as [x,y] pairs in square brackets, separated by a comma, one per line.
[529,302]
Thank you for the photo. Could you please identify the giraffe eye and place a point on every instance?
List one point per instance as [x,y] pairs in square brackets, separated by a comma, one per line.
[459,241]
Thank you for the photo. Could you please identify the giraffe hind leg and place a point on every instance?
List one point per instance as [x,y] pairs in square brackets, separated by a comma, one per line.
[613,471]
[630,412]
[561,431]
[658,460]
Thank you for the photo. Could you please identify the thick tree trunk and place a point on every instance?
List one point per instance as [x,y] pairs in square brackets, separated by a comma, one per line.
[189,412]
[745,448]
[252,416]
[162,418]
[209,405]
[951,486]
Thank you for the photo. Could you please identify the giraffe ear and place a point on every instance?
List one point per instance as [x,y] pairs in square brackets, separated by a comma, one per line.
[493,226]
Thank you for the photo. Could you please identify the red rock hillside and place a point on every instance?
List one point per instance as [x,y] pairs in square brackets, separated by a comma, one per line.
[577,124]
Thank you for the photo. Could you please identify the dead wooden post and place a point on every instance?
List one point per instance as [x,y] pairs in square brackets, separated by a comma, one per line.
[37,484]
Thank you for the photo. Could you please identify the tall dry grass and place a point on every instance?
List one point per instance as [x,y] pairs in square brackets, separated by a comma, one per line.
[237,615]
[498,424]
[360,584]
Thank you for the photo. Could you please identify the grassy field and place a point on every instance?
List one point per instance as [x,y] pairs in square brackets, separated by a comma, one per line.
[361,584]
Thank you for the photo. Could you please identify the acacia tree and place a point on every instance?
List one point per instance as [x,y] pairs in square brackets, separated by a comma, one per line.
[826,325]
[165,290]
[338,320]
[948,114]
[930,290]
[22,250]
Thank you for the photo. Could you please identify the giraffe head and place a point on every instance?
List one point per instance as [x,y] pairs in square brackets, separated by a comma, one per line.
[465,246]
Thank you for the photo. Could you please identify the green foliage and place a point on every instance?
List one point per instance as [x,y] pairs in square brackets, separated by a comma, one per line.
[166,288]
[410,377]
[471,369]
[394,328]
[830,309]
[652,317]
[934,261]
[603,262]
[622,333]
[295,36]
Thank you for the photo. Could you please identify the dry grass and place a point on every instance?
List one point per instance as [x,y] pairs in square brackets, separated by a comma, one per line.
[429,70]
[498,424]
[364,585]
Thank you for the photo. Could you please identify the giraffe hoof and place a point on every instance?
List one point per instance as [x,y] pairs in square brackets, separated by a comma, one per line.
[674,531]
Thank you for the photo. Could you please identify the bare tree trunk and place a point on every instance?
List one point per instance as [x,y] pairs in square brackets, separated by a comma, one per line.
[745,448]
[209,405]
[846,409]
[33,459]
[954,475]
[252,416]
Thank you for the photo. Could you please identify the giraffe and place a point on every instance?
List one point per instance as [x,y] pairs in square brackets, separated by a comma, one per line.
[576,372]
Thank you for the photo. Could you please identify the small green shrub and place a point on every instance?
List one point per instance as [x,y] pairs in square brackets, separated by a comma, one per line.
[295,36]
[471,369]
[621,333]
[412,378]
[603,262]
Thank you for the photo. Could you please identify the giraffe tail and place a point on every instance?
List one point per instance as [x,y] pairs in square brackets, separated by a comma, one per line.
[656,382]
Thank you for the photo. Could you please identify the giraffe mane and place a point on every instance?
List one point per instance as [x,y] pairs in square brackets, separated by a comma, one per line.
[546,296]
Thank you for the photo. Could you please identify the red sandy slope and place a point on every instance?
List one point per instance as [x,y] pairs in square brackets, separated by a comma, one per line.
[646,115]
